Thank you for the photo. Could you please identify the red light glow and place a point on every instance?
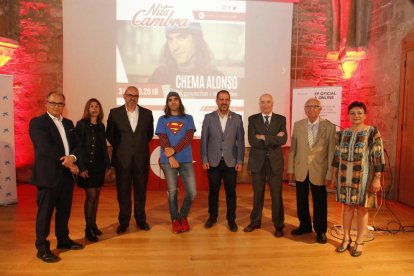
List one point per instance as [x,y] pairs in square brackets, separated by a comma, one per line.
[7,48]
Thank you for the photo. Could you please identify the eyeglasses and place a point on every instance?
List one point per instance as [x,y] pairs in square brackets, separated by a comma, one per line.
[132,96]
[312,106]
[55,104]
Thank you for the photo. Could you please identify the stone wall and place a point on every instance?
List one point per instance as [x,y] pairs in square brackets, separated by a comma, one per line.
[377,79]
[392,20]
[309,66]
[36,66]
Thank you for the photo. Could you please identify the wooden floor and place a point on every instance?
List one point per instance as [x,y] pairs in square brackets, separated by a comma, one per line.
[216,251]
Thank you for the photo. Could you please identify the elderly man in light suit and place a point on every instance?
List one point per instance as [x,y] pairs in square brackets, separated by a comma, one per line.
[222,153]
[311,153]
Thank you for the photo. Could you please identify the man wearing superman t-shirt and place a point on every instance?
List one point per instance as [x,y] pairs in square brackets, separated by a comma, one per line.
[175,131]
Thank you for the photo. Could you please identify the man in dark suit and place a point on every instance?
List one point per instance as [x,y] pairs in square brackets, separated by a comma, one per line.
[222,153]
[129,130]
[55,149]
[267,134]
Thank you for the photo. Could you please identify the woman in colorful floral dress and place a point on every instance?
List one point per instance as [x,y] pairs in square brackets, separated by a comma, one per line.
[358,164]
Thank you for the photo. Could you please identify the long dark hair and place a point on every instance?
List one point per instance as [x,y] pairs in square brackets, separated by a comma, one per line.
[87,116]
[202,56]
[181,108]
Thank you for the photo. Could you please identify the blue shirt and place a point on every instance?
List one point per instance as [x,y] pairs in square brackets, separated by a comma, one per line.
[175,127]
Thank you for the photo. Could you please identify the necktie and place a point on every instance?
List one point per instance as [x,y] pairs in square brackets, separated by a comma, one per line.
[267,124]
[311,139]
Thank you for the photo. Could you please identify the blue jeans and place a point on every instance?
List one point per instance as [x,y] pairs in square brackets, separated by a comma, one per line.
[186,172]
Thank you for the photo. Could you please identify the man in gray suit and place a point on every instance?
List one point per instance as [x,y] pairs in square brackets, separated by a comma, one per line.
[222,153]
[267,134]
[310,157]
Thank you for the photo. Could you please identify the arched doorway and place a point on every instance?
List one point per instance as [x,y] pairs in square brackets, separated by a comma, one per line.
[405,142]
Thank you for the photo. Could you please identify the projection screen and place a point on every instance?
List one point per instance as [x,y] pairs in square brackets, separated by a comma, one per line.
[193,47]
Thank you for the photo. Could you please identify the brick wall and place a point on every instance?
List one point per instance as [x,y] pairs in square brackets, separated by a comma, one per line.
[377,79]
[36,66]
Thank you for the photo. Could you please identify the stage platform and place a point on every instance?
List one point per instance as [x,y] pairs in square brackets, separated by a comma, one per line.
[215,251]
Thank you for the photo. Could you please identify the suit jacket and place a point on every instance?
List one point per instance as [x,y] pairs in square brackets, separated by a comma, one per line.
[127,143]
[85,144]
[271,146]
[214,141]
[316,160]
[48,149]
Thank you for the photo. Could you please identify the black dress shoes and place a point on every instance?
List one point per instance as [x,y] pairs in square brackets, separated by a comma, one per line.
[279,232]
[321,238]
[47,256]
[70,245]
[96,230]
[90,235]
[300,231]
[143,226]
[251,227]
[121,229]
[210,222]
[233,226]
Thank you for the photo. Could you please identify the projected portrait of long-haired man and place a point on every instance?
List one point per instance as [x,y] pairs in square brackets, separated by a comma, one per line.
[185,53]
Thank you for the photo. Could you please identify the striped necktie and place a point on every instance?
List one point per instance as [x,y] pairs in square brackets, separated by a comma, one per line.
[267,124]
[311,139]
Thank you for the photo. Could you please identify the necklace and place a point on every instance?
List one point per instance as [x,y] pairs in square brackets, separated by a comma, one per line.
[357,128]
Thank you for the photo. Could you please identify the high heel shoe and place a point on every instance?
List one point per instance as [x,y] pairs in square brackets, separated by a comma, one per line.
[343,247]
[90,235]
[355,252]
[96,230]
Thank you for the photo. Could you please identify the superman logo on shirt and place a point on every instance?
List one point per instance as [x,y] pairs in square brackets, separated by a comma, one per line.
[175,126]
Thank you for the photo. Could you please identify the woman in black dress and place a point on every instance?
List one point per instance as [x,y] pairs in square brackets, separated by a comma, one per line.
[93,162]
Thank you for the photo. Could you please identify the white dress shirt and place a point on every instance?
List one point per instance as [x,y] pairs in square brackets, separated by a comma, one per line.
[133,118]
[269,119]
[223,120]
[62,132]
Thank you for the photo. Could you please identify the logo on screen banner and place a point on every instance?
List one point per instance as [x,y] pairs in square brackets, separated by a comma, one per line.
[201,15]
[158,15]
[154,163]
[175,126]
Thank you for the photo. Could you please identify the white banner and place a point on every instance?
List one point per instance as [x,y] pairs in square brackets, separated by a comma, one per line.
[8,193]
[330,97]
